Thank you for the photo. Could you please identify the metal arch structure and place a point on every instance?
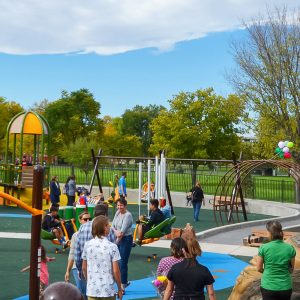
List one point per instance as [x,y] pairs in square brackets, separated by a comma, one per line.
[228,200]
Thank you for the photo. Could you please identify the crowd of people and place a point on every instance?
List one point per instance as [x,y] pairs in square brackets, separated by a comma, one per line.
[99,253]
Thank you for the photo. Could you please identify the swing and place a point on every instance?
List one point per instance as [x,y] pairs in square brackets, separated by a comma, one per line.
[158,231]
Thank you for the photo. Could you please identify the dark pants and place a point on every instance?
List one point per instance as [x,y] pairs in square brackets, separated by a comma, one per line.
[124,246]
[71,200]
[278,295]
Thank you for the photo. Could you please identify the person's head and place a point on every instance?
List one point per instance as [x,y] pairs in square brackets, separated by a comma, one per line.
[100,226]
[43,253]
[124,174]
[178,247]
[193,248]
[72,177]
[101,210]
[275,230]
[154,204]
[84,217]
[121,205]
[53,210]
[198,183]
[54,178]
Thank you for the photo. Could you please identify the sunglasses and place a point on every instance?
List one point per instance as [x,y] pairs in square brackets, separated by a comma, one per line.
[86,219]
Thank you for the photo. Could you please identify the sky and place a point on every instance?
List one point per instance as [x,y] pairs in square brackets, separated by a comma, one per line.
[126,52]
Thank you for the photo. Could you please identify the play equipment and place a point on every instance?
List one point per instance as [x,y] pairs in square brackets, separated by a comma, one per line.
[158,231]
[16,173]
[228,202]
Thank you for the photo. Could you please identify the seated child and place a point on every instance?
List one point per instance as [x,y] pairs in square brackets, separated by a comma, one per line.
[155,218]
[51,223]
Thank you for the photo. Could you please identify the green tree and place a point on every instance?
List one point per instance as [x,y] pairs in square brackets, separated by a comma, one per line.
[74,115]
[268,75]
[78,153]
[199,125]
[114,143]
[8,109]
[136,122]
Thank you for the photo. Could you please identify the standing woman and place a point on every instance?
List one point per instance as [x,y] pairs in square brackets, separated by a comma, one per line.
[197,199]
[276,261]
[122,224]
[189,278]
[71,190]
[54,190]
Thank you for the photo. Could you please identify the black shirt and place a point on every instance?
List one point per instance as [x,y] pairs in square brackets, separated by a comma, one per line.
[197,194]
[156,217]
[50,222]
[190,280]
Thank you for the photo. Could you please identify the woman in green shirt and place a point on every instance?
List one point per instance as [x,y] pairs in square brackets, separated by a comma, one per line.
[276,261]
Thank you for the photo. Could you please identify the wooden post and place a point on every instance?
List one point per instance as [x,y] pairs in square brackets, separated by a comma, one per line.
[35,250]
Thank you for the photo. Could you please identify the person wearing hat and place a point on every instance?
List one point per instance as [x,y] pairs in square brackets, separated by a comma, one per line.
[85,234]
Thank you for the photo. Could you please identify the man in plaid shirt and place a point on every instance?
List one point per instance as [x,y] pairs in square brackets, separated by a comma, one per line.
[85,234]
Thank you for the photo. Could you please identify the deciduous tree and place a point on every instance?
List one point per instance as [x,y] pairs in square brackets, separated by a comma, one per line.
[200,124]
[268,74]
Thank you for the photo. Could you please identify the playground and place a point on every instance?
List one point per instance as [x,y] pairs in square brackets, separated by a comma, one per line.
[15,249]
[225,220]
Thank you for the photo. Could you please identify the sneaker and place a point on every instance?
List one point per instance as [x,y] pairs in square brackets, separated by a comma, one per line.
[125,285]
[65,245]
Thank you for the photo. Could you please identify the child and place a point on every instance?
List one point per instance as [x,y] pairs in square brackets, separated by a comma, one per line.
[52,224]
[44,275]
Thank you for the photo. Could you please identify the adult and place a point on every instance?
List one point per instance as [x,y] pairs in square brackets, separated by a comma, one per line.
[189,278]
[122,186]
[51,223]
[156,217]
[100,263]
[54,190]
[83,218]
[122,224]
[71,190]
[85,234]
[197,200]
[276,261]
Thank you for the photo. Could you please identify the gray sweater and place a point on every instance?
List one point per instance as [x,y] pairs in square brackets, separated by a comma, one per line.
[123,222]
[72,187]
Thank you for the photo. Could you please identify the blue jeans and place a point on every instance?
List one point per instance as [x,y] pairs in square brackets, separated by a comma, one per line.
[124,246]
[79,283]
[82,285]
[196,206]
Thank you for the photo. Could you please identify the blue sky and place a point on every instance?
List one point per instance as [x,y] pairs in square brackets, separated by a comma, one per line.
[125,52]
[124,80]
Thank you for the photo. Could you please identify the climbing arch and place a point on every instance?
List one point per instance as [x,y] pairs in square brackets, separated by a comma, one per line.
[228,202]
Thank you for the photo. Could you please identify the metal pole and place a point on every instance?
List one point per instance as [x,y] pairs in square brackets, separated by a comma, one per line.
[156,178]
[36,221]
[149,185]
[140,186]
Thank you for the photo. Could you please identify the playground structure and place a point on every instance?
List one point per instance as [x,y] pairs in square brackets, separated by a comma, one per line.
[228,202]
[16,174]
[36,211]
[160,190]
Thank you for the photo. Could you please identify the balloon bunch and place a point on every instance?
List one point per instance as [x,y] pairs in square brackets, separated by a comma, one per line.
[160,283]
[283,149]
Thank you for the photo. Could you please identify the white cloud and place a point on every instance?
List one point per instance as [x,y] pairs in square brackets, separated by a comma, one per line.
[116,26]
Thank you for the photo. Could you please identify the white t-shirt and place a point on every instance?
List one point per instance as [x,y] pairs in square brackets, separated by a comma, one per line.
[99,254]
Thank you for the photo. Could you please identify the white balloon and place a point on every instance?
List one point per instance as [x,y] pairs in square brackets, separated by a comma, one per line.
[286,150]
[285,143]
[281,144]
